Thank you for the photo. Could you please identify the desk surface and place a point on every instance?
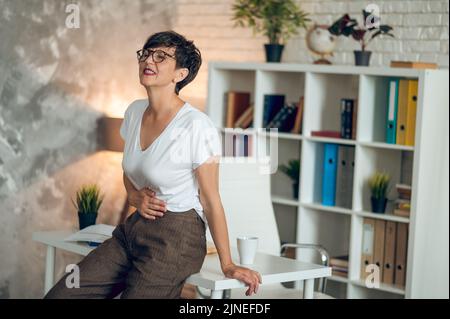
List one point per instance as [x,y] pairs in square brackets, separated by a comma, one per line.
[273,269]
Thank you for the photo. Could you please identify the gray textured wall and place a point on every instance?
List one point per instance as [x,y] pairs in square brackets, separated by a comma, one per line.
[54,84]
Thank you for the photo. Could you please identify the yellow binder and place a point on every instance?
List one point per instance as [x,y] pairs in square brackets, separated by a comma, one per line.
[401,112]
[413,88]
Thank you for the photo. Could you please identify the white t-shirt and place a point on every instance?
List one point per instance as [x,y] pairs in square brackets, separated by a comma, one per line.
[167,165]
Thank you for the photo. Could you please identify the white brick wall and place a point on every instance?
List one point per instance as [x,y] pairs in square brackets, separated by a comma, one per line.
[420,28]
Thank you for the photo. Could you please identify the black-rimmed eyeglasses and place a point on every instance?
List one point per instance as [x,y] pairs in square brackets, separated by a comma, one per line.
[158,56]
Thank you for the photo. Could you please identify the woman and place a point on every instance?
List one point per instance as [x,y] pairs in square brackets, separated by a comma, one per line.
[171,170]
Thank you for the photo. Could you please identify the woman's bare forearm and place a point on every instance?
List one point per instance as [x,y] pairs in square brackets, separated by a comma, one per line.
[131,191]
[215,215]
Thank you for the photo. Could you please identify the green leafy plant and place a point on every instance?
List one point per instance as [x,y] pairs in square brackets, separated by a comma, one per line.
[379,184]
[292,170]
[88,199]
[364,34]
[276,19]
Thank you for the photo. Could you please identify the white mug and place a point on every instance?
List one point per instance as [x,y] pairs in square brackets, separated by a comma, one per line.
[247,249]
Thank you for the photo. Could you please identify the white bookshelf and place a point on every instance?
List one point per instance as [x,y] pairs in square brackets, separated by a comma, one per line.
[424,166]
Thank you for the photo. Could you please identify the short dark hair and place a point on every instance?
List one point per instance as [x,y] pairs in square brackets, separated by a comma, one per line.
[187,55]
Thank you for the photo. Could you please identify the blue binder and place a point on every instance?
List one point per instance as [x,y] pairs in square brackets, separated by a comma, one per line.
[391,116]
[330,156]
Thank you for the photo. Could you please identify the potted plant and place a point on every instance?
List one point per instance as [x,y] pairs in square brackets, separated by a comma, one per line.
[278,20]
[292,170]
[379,183]
[87,204]
[364,34]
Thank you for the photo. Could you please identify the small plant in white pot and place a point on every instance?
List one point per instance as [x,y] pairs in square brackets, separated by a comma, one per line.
[88,202]
[379,186]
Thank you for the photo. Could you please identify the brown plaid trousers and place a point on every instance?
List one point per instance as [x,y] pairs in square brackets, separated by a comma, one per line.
[143,259]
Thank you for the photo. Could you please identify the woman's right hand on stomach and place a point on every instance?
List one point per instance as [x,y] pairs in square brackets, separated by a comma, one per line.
[147,204]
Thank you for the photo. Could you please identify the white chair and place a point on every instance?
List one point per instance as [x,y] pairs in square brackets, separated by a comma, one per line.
[245,192]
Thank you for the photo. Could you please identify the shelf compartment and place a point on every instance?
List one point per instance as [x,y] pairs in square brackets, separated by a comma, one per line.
[323,94]
[286,218]
[224,81]
[374,93]
[313,174]
[397,163]
[281,184]
[332,231]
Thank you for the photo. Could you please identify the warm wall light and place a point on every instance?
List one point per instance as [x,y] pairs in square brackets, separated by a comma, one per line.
[109,138]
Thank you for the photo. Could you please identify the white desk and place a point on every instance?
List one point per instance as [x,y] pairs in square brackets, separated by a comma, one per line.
[273,269]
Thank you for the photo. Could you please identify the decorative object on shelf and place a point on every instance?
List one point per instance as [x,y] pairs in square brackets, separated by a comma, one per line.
[108,136]
[278,20]
[292,170]
[321,42]
[379,184]
[87,204]
[403,202]
[364,34]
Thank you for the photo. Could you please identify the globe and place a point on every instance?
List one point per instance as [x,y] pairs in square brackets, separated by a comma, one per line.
[321,42]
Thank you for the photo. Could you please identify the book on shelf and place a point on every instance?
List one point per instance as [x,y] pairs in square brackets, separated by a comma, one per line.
[404,191]
[347,118]
[246,118]
[413,65]
[402,206]
[236,103]
[284,119]
[339,261]
[272,105]
[339,266]
[297,129]
[332,134]
[354,118]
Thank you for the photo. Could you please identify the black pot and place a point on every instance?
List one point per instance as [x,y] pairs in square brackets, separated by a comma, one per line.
[86,219]
[362,58]
[295,190]
[273,52]
[378,204]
